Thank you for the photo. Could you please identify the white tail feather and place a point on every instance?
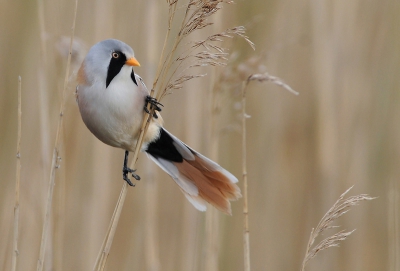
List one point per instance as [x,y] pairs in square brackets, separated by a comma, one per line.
[187,154]
[199,203]
[186,185]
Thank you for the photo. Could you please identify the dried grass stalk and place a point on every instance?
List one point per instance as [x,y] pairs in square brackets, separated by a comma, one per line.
[151,250]
[56,154]
[246,231]
[340,207]
[106,246]
[17,182]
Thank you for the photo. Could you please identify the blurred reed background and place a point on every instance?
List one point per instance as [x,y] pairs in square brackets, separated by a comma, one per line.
[303,151]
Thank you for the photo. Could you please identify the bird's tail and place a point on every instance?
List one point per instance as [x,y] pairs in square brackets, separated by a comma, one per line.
[200,179]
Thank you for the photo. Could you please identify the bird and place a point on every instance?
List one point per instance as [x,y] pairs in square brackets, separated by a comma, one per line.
[112,101]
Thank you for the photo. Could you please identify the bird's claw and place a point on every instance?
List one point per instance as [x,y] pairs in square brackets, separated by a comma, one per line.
[128,181]
[153,105]
[125,171]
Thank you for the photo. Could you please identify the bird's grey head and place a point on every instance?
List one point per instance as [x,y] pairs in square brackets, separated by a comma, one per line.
[106,59]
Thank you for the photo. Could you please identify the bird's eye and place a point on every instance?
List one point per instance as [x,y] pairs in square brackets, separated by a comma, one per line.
[115,55]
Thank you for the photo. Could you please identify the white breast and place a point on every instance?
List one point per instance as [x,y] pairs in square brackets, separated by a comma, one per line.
[113,114]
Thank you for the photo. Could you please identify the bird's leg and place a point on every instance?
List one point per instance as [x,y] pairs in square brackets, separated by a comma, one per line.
[126,170]
[153,104]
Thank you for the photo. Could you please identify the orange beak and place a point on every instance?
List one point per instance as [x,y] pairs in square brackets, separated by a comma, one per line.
[132,62]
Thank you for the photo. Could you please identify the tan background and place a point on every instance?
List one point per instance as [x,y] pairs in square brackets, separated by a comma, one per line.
[303,151]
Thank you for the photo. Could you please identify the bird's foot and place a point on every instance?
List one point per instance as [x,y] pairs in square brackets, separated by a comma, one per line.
[125,171]
[153,105]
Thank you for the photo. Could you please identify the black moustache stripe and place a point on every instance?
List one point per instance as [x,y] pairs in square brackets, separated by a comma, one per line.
[133,77]
[115,67]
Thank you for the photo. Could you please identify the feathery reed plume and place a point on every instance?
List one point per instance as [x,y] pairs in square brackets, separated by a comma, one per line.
[17,182]
[196,17]
[171,73]
[56,154]
[246,232]
[338,209]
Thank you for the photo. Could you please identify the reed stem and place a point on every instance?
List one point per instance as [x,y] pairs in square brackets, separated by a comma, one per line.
[106,246]
[246,231]
[161,65]
[17,182]
[56,152]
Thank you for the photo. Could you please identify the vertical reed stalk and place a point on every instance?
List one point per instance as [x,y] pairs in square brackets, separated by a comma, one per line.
[246,231]
[211,240]
[56,152]
[43,88]
[17,182]
[101,261]
[396,227]
[393,225]
[212,219]
[105,248]
[168,60]
[152,254]
[171,11]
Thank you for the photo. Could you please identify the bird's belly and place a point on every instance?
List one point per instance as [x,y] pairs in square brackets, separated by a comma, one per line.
[113,119]
[117,127]
[115,116]
[123,134]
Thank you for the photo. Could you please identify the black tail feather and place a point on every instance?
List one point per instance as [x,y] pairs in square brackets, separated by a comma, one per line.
[163,147]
